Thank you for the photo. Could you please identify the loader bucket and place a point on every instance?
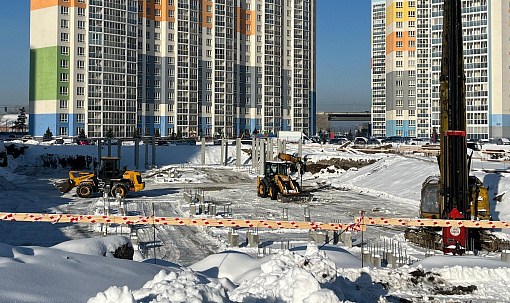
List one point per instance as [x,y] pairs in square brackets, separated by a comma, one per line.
[64,185]
[302,197]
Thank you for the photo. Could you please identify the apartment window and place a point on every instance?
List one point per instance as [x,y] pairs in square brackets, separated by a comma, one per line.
[399,83]
[411,103]
[157,12]
[400,4]
[64,50]
[400,34]
[81,51]
[208,76]
[62,131]
[399,24]
[64,10]
[80,118]
[399,132]
[63,118]
[64,77]
[80,77]
[400,54]
[64,23]
[412,123]
[80,104]
[399,63]
[81,11]
[400,44]
[208,53]
[157,24]
[411,54]
[157,96]
[412,34]
[399,93]
[399,112]
[81,24]
[412,43]
[208,42]
[209,19]
[81,37]
[410,63]
[64,64]
[400,74]
[157,48]
[411,73]
[63,104]
[411,93]
[411,24]
[400,123]
[157,36]
[208,87]
[399,103]
[412,113]
[411,83]
[411,14]
[156,119]
[81,64]
[80,91]
[400,15]
[64,37]
[410,3]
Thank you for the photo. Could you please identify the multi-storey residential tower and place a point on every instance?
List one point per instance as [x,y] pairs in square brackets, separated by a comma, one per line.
[412,38]
[184,67]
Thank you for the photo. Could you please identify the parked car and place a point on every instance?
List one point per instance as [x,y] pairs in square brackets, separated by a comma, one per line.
[419,141]
[360,141]
[503,141]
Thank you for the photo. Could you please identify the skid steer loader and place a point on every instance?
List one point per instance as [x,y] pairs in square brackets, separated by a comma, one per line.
[110,178]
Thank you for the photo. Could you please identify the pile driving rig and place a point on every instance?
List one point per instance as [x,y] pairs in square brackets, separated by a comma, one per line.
[454,194]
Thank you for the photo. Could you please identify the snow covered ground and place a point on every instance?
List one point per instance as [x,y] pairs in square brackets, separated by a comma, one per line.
[43,262]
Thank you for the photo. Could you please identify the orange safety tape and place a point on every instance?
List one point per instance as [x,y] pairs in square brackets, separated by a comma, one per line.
[432,222]
[68,218]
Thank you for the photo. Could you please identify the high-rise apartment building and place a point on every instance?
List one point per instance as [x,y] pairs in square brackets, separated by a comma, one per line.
[185,67]
[406,67]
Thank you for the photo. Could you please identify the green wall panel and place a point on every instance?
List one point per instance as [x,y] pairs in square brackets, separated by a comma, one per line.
[44,77]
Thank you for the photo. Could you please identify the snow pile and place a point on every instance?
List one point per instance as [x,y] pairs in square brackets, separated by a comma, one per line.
[182,286]
[290,277]
[94,246]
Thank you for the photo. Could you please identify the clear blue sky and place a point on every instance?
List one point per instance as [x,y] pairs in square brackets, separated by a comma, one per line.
[343,54]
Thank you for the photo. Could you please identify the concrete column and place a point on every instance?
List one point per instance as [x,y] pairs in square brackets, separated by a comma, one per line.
[203,151]
[153,151]
[193,209]
[300,148]
[226,152]
[278,146]
[233,238]
[222,153]
[137,153]
[212,209]
[376,260]
[270,156]
[99,148]
[367,258]
[146,143]
[284,146]
[347,239]
[262,156]
[505,256]
[119,148]
[391,259]
[254,153]
[285,216]
[238,153]
[307,214]
[253,240]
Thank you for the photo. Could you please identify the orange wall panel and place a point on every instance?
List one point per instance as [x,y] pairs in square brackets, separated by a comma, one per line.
[38,4]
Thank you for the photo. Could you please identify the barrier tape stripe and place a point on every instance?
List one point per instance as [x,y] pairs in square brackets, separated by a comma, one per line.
[432,222]
[69,218]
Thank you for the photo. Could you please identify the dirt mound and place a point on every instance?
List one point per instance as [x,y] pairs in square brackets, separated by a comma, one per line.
[344,164]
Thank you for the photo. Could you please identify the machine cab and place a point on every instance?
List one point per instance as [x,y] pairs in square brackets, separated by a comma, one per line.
[430,202]
[276,168]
